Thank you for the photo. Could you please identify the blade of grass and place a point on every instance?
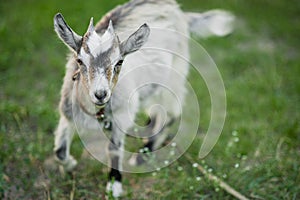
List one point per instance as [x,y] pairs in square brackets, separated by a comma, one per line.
[217,180]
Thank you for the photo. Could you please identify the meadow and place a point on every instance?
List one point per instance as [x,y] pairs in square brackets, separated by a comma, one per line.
[259,149]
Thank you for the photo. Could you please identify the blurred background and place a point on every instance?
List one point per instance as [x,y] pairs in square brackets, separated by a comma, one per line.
[257,154]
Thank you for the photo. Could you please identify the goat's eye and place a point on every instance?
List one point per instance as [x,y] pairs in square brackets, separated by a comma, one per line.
[79,61]
[117,68]
[119,63]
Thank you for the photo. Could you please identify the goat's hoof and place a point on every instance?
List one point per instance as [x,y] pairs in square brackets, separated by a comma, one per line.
[133,160]
[71,164]
[137,159]
[68,164]
[114,189]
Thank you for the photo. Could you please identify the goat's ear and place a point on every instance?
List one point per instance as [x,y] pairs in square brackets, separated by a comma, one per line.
[136,40]
[66,34]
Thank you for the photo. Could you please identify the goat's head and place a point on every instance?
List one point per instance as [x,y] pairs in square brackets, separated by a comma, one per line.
[99,57]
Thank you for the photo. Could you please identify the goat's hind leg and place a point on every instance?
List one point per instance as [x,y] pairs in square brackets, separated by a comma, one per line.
[157,130]
[63,138]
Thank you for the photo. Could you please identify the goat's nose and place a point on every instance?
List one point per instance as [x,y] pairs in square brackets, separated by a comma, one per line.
[100,95]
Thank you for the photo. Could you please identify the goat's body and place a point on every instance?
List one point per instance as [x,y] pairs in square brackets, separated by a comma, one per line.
[148,65]
[161,15]
[158,62]
[142,66]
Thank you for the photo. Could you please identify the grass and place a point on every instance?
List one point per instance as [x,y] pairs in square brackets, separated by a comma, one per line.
[257,153]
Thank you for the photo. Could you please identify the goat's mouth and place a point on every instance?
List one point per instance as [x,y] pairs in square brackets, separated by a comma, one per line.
[100,105]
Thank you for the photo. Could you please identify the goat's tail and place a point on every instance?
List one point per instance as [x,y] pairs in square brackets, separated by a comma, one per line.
[211,23]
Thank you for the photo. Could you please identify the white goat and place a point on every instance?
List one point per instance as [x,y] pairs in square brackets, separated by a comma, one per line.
[96,64]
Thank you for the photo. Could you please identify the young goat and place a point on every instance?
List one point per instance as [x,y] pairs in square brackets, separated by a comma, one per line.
[91,89]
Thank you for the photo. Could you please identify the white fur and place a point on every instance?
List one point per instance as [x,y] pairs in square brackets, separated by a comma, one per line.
[115,188]
[115,56]
[172,19]
[93,43]
[85,57]
[106,41]
[98,44]
[100,83]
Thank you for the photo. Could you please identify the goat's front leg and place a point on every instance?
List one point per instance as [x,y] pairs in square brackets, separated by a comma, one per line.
[63,138]
[115,150]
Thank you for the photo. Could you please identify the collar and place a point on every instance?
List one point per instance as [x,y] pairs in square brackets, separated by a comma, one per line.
[99,115]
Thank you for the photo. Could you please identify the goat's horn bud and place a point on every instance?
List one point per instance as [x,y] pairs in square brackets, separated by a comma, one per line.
[110,27]
[91,26]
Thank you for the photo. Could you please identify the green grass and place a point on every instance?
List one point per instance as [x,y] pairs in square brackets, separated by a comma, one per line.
[257,153]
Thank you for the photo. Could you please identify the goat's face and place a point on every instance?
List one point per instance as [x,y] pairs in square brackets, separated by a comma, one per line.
[99,57]
[100,60]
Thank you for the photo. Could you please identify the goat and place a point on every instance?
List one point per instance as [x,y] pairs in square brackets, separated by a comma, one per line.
[103,55]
